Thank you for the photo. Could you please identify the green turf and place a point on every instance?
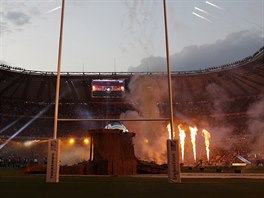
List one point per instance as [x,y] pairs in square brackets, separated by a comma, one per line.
[18,185]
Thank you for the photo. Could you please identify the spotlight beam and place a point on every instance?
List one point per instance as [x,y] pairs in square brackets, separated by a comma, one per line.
[25,126]
[9,125]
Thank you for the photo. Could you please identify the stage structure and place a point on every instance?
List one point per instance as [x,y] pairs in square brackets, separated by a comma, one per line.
[111,153]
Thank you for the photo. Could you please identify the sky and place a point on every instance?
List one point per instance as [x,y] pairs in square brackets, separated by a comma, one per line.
[120,36]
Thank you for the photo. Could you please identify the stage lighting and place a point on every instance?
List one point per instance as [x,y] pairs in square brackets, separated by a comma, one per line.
[30,142]
[71,141]
[86,141]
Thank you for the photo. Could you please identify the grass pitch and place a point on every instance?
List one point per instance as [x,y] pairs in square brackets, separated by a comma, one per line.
[14,184]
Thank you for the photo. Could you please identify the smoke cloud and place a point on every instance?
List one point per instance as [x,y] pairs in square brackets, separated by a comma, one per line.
[256,125]
[145,95]
[139,24]
[71,155]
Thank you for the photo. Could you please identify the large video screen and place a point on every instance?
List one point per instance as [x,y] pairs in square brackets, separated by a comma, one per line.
[108,88]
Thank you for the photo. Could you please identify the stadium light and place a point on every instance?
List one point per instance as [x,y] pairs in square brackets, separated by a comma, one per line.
[53,164]
[172,145]
[71,141]
[86,141]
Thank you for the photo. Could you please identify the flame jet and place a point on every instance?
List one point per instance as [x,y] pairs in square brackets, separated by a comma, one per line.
[182,136]
[193,131]
[169,131]
[207,136]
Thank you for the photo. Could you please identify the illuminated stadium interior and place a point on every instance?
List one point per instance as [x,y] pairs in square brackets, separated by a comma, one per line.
[219,98]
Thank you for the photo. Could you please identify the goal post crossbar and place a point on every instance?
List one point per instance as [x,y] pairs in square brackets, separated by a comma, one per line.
[111,119]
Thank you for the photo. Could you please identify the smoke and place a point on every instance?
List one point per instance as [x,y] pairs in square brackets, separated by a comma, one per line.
[219,127]
[139,24]
[256,125]
[85,112]
[145,94]
[148,92]
[73,154]
[219,134]
[219,96]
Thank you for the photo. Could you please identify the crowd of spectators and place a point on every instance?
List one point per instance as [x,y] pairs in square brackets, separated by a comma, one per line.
[7,67]
[14,115]
[15,154]
[19,113]
[239,105]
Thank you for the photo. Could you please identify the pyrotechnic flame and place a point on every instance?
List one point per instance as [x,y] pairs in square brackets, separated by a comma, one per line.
[146,140]
[182,140]
[202,17]
[207,136]
[193,131]
[169,131]
[214,5]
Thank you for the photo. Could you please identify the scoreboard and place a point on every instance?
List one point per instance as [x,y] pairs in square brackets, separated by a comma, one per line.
[108,88]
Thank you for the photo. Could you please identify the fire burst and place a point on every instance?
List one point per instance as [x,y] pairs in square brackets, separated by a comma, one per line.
[207,136]
[169,131]
[182,140]
[193,131]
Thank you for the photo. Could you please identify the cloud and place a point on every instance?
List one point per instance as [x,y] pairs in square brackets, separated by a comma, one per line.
[17,17]
[4,27]
[234,47]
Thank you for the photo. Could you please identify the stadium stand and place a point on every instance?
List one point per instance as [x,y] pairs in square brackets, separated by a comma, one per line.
[225,91]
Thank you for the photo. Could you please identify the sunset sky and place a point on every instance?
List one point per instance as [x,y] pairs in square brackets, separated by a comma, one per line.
[119,35]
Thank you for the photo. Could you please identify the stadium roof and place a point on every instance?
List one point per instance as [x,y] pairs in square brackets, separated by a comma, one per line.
[240,79]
